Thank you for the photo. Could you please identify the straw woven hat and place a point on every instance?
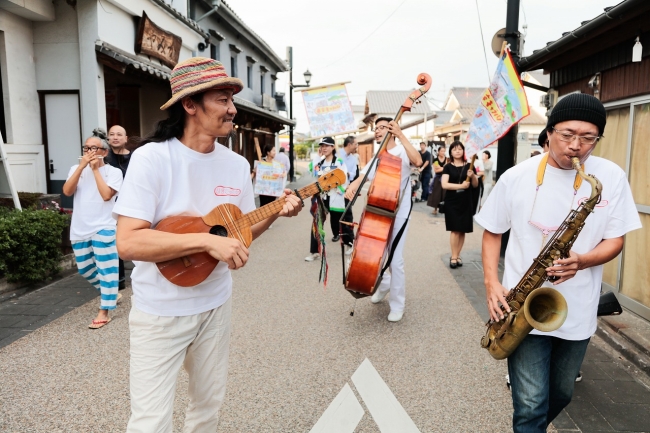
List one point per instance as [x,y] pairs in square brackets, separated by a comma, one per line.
[198,74]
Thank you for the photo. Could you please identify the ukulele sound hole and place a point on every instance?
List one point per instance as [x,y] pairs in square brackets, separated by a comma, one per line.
[219,231]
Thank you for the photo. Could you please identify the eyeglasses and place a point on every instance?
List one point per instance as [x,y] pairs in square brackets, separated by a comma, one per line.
[381,127]
[567,137]
[93,148]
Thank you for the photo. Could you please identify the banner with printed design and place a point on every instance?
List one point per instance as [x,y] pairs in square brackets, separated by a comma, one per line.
[269,178]
[329,110]
[502,106]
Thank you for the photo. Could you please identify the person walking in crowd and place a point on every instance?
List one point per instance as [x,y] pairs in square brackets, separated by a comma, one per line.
[119,157]
[437,195]
[425,171]
[176,173]
[94,185]
[488,166]
[351,159]
[269,157]
[459,210]
[539,193]
[395,281]
[283,159]
[542,140]
[333,200]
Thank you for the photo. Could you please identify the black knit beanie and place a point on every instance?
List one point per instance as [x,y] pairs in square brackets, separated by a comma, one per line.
[578,106]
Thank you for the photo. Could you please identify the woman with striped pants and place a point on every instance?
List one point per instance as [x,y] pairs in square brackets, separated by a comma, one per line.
[92,231]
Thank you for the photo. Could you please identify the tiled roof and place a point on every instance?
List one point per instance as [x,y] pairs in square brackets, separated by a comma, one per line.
[468,97]
[443,117]
[389,101]
[182,18]
[534,118]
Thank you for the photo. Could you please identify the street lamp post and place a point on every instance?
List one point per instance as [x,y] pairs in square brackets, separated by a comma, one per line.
[307,75]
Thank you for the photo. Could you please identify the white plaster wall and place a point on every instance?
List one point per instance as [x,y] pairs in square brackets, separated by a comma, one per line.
[93,101]
[56,50]
[27,164]
[117,27]
[22,113]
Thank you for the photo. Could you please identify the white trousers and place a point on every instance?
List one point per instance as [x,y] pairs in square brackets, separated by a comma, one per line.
[396,280]
[159,346]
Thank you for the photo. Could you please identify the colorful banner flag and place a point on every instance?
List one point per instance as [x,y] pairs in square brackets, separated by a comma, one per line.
[329,110]
[503,104]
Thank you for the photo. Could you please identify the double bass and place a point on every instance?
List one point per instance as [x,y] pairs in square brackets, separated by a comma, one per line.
[371,250]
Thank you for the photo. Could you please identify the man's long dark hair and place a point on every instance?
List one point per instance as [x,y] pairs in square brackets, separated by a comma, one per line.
[173,126]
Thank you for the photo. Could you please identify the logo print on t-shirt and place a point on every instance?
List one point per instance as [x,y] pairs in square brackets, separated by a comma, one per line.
[226,191]
[602,203]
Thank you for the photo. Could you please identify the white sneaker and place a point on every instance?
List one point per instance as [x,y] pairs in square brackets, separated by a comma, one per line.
[378,296]
[395,316]
[348,250]
[312,257]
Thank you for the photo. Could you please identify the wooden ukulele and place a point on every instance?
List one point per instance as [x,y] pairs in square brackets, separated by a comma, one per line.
[228,221]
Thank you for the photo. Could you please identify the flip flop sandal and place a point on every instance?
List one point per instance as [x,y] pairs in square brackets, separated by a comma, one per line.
[96,324]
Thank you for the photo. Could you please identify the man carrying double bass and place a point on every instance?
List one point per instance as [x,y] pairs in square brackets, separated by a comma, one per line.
[395,281]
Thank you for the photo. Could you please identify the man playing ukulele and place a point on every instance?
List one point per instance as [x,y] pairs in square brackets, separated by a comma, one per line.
[184,171]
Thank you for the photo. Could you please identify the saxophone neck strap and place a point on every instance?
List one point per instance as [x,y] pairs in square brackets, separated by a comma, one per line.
[541,170]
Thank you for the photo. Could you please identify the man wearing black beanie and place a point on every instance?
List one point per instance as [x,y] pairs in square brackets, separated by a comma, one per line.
[532,200]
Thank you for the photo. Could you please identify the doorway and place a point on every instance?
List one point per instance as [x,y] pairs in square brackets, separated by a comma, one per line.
[61,125]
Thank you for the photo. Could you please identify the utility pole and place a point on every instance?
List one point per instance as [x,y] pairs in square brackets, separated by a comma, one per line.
[307,76]
[292,177]
[508,143]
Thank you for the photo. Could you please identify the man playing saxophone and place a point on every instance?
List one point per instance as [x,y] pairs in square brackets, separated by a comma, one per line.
[532,200]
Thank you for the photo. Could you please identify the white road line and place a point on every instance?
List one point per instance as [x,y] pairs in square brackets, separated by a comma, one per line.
[342,415]
[382,404]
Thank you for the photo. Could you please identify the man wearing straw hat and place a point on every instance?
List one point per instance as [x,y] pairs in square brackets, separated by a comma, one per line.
[184,171]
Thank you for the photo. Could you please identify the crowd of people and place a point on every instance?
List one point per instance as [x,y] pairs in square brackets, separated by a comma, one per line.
[114,214]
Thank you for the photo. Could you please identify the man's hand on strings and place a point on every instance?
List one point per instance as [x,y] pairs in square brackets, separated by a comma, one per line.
[352,189]
[565,269]
[292,204]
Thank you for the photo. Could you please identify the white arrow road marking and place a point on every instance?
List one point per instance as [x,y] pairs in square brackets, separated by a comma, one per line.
[382,404]
[342,415]
[345,412]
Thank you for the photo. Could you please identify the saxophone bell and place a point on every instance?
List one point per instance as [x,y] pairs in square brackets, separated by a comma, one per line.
[545,309]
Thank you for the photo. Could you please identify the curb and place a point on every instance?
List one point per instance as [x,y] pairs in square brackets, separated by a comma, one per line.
[630,349]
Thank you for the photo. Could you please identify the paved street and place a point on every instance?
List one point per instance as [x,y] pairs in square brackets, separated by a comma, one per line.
[295,349]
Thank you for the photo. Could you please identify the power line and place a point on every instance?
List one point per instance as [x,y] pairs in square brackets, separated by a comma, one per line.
[487,68]
[367,37]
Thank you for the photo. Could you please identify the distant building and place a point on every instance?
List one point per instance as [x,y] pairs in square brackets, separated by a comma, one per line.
[459,109]
[70,66]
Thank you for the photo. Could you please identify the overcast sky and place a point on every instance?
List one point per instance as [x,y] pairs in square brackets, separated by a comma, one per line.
[335,39]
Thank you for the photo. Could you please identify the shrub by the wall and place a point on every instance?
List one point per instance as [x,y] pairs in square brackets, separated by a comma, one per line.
[30,243]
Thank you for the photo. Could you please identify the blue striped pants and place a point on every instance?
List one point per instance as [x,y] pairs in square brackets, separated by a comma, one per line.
[97,262]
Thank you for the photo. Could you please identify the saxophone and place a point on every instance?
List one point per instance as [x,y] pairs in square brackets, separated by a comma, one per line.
[533,306]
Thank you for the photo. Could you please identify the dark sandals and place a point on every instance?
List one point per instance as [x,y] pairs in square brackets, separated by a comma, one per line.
[453,263]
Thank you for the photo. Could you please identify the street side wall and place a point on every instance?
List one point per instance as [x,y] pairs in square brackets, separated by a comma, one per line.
[22,112]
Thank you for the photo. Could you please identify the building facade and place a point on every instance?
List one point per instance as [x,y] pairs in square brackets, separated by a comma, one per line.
[598,59]
[70,66]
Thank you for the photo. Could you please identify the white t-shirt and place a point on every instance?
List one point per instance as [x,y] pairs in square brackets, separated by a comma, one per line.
[91,213]
[169,179]
[510,204]
[405,184]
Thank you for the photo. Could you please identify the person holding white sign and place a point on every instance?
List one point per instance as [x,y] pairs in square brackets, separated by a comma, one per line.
[269,178]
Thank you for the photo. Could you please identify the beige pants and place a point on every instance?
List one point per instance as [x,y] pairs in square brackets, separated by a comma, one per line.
[159,346]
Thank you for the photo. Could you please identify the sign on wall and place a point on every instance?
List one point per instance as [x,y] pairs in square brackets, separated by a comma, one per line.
[329,110]
[156,42]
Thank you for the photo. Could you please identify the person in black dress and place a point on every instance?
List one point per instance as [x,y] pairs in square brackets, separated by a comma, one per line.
[437,194]
[458,200]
